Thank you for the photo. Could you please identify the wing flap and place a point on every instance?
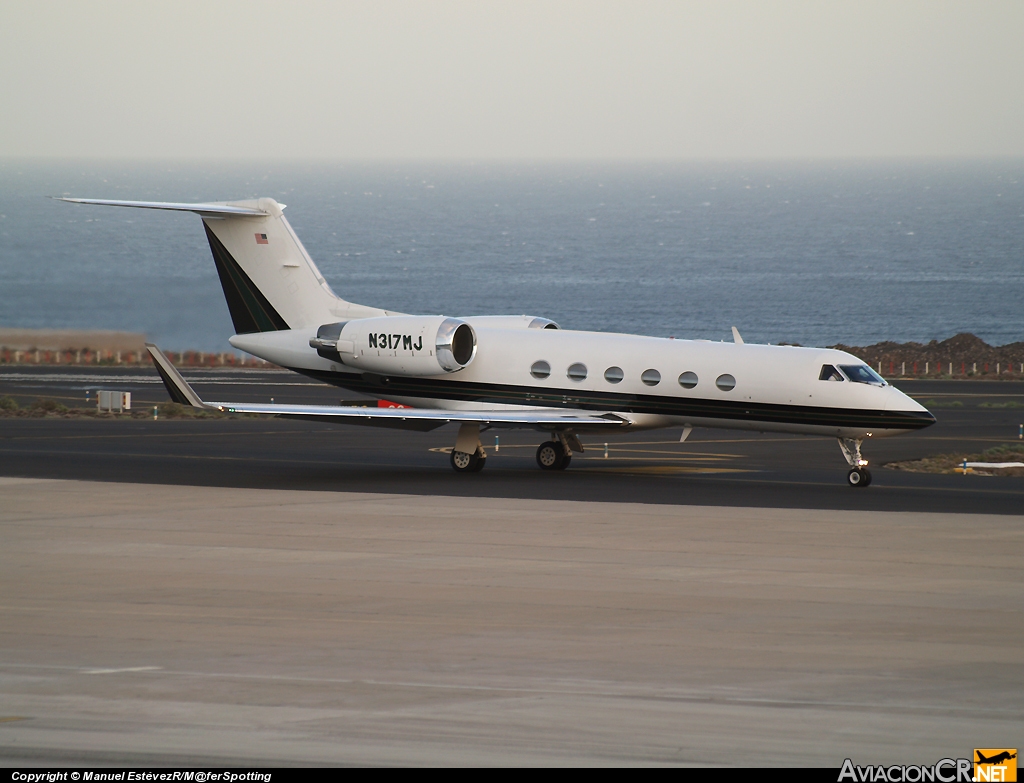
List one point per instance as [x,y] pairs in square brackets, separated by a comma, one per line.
[544,418]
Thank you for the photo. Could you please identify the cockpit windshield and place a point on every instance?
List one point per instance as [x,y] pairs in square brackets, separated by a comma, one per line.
[861,373]
[830,373]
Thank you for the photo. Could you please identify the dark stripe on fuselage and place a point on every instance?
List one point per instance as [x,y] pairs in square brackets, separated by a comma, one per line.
[497,394]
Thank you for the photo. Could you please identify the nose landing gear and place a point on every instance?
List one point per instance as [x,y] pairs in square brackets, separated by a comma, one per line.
[859,475]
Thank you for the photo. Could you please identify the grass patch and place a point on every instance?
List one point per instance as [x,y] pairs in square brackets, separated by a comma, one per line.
[951,463]
[174,410]
[1008,452]
[45,405]
[1010,404]
[942,404]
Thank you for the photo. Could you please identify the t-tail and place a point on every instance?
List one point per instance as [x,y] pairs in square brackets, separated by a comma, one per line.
[269,280]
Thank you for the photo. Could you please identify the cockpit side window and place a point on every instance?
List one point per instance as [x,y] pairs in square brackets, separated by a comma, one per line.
[829,373]
[861,373]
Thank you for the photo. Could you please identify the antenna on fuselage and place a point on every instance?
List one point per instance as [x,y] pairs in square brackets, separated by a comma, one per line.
[736,336]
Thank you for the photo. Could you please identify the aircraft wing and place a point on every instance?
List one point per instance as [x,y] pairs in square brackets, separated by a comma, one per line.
[423,419]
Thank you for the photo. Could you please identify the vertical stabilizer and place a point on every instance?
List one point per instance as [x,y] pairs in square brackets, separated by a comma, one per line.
[269,280]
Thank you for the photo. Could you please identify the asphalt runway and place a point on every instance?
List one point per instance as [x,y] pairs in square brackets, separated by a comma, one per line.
[170,626]
[242,591]
[714,467]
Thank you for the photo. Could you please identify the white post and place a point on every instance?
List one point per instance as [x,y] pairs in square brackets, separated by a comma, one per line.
[903,369]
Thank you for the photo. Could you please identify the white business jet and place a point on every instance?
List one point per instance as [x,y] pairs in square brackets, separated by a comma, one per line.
[515,371]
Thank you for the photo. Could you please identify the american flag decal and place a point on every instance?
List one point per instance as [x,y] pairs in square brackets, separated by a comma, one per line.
[261,239]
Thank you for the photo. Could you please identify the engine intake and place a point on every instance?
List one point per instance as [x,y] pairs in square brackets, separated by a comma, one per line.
[456,344]
[399,344]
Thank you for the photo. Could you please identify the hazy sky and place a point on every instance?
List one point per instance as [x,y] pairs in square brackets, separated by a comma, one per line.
[511,79]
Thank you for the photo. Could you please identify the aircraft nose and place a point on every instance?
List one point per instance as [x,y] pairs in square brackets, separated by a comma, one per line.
[903,405]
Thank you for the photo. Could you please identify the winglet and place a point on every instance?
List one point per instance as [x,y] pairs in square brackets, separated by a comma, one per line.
[177,386]
[736,336]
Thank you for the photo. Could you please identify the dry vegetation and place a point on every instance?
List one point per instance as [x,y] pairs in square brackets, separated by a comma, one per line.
[43,407]
[952,463]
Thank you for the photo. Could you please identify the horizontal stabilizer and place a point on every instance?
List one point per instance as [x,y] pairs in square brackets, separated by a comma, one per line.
[404,418]
[212,210]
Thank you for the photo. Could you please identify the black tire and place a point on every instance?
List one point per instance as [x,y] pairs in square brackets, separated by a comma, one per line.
[550,455]
[566,459]
[464,463]
[480,462]
[858,477]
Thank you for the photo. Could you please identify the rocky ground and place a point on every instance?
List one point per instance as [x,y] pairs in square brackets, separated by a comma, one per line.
[961,356]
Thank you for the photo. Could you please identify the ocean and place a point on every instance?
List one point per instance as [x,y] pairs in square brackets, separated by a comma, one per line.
[812,252]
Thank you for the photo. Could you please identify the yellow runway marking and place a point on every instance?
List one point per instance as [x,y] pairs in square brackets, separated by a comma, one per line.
[614,454]
[667,470]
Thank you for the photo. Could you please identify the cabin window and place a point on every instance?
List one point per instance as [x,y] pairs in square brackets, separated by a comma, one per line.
[861,373]
[614,375]
[540,369]
[829,373]
[650,377]
[725,382]
[577,372]
[688,380]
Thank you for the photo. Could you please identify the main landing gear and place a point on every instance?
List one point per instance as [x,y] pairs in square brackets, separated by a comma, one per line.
[468,456]
[556,454]
[551,456]
[859,475]
[467,463]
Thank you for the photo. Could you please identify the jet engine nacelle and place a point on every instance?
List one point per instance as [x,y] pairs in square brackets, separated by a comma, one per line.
[399,344]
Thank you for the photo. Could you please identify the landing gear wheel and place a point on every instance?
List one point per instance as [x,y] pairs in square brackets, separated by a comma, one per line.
[467,463]
[551,456]
[859,477]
